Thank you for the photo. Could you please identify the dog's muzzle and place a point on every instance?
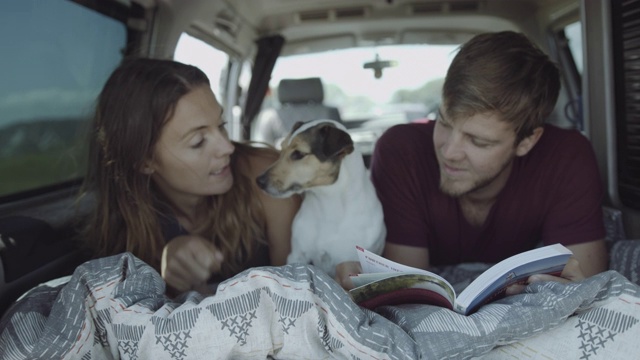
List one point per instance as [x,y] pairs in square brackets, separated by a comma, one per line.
[272,189]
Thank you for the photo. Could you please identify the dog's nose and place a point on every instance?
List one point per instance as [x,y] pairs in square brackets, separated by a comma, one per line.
[262,181]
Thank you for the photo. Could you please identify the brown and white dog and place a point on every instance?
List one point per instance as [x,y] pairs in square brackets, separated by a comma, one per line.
[340,208]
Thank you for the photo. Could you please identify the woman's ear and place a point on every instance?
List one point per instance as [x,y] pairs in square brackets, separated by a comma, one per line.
[147,168]
[529,142]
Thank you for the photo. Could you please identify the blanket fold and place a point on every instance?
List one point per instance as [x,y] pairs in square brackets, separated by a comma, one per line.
[115,308]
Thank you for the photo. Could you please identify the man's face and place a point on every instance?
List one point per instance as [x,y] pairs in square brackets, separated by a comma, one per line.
[474,154]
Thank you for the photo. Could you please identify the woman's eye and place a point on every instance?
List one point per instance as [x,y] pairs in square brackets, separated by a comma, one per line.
[198,144]
[223,126]
[297,155]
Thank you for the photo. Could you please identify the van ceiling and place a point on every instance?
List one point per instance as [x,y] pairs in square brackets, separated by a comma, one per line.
[311,25]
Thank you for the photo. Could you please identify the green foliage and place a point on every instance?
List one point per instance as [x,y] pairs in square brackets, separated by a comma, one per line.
[27,172]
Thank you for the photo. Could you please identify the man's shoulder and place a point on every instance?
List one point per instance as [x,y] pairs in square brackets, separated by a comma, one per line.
[411,132]
[557,140]
[412,142]
[559,151]
[558,134]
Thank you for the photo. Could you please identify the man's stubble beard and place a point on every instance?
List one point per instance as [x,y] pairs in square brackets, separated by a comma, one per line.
[478,184]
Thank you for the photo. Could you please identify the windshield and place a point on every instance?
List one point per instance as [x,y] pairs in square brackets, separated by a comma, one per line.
[413,77]
[372,88]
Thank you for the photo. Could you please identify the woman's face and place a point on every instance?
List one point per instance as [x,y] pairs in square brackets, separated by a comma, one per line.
[192,155]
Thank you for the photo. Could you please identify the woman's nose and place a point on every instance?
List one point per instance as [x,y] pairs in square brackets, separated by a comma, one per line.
[224,146]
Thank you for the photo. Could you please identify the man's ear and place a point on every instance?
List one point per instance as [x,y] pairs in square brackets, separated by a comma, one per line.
[529,142]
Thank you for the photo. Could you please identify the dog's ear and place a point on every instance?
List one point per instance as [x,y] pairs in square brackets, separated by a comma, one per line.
[296,126]
[335,142]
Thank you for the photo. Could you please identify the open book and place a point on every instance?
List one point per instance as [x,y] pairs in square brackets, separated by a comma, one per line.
[384,282]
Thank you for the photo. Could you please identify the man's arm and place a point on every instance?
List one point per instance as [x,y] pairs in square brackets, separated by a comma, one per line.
[408,255]
[576,219]
[404,173]
[592,256]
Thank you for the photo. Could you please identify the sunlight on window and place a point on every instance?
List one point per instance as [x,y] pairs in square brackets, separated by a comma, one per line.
[573,32]
[212,61]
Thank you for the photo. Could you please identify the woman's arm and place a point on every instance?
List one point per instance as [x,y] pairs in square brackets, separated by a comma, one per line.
[278,212]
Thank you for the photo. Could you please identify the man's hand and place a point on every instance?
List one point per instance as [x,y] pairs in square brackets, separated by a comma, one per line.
[188,261]
[343,270]
[571,273]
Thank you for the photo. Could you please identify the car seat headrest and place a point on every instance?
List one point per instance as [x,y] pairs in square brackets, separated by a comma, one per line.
[300,91]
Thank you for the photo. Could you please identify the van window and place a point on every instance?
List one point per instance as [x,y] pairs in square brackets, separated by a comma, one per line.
[568,43]
[573,33]
[210,60]
[52,69]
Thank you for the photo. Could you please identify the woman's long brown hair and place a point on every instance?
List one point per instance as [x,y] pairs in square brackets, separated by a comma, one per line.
[134,105]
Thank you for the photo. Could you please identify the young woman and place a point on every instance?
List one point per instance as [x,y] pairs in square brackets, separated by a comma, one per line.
[169,185]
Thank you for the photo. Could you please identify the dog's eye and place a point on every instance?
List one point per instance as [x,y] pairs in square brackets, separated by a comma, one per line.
[296,155]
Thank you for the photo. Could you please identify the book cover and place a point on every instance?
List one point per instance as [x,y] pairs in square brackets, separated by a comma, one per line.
[384,282]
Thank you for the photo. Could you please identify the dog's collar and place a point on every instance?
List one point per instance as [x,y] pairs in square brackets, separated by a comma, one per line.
[313,123]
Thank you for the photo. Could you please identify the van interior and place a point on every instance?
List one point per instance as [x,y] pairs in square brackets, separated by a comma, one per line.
[371,64]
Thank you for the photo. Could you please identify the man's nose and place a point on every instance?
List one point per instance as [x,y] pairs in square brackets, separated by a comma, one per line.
[452,149]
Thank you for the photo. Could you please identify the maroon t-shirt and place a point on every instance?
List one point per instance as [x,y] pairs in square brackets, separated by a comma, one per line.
[553,195]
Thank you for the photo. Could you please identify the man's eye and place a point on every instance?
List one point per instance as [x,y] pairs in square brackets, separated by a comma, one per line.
[296,155]
[479,143]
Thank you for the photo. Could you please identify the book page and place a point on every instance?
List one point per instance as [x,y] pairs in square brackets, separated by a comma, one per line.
[372,263]
[385,282]
[375,264]
[402,288]
[545,260]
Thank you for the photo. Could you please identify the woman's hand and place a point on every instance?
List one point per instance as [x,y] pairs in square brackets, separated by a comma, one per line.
[188,261]
[571,273]
[343,270]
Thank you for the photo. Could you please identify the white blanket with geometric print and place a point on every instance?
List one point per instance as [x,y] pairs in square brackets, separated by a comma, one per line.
[115,308]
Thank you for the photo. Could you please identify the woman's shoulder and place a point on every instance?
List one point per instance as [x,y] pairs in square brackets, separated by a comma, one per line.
[256,158]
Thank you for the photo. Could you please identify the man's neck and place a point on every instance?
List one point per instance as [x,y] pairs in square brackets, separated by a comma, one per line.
[477,204]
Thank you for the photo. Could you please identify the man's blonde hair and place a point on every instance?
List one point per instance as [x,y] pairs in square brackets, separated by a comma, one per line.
[502,72]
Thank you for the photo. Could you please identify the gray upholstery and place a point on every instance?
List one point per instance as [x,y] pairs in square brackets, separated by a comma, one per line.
[301,100]
[300,91]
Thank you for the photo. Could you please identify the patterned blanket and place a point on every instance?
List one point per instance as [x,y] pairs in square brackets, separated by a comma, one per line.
[115,308]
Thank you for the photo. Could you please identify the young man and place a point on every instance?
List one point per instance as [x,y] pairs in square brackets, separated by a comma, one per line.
[489,179]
